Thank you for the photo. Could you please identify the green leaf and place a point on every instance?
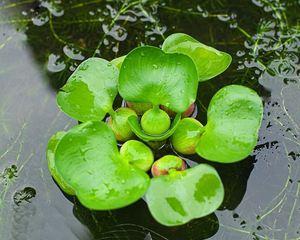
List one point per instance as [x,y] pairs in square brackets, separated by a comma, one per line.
[186,136]
[137,154]
[136,128]
[90,91]
[152,76]
[118,61]
[233,120]
[87,158]
[209,61]
[177,198]
[51,148]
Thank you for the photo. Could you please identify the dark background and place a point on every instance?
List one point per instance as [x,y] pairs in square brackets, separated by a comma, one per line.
[42,42]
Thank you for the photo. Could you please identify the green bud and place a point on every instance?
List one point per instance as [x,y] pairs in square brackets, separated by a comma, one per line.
[186,135]
[155,121]
[139,108]
[118,123]
[137,154]
[164,165]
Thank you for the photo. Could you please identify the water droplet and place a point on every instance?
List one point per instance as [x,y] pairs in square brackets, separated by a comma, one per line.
[155,66]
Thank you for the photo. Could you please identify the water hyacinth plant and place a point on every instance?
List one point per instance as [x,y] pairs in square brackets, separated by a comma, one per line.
[159,88]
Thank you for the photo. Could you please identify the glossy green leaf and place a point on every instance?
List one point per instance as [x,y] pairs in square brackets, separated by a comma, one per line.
[118,122]
[233,120]
[118,61]
[51,148]
[137,154]
[209,61]
[136,128]
[150,75]
[186,136]
[90,91]
[177,198]
[88,160]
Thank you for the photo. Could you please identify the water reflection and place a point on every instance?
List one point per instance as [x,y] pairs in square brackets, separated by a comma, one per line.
[136,222]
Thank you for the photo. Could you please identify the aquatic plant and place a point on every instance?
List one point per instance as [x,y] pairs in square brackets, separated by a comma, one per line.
[159,87]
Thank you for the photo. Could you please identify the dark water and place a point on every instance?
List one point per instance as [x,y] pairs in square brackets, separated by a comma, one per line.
[42,42]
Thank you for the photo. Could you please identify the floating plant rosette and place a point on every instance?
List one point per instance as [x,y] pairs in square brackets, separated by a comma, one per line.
[108,160]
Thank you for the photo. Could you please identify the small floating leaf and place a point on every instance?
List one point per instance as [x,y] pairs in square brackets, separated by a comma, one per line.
[88,160]
[90,91]
[118,122]
[209,61]
[233,120]
[166,164]
[51,148]
[150,75]
[186,136]
[181,196]
[137,154]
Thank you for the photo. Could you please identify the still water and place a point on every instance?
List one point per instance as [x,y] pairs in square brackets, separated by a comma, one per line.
[42,42]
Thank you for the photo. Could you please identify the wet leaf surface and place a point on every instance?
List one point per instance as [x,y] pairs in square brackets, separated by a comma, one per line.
[41,44]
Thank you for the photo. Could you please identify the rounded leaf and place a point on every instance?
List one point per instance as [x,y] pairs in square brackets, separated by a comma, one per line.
[90,91]
[118,122]
[150,75]
[233,120]
[87,158]
[137,154]
[209,61]
[186,136]
[166,164]
[177,198]
[51,148]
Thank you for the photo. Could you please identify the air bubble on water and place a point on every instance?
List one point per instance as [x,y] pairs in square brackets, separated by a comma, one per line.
[240,53]
[223,17]
[54,7]
[72,53]
[55,64]
[40,19]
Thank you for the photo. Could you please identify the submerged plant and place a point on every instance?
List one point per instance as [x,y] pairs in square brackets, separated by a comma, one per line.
[159,87]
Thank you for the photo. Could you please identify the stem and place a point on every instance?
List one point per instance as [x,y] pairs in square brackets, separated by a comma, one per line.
[156,107]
